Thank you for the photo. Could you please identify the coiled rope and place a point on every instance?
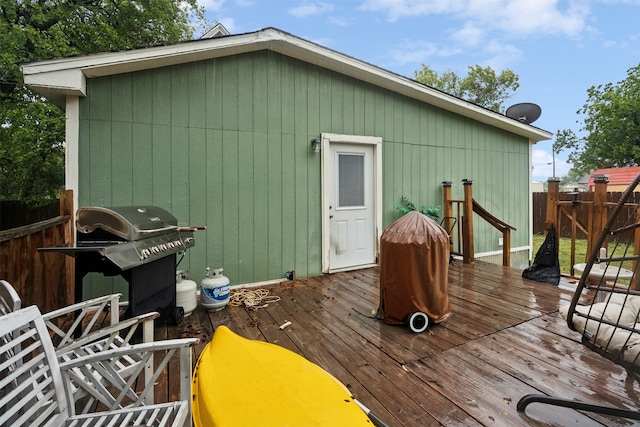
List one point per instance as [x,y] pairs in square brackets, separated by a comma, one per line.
[252,298]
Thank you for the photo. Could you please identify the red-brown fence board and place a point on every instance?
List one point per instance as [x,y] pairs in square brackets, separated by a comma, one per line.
[583,206]
[43,279]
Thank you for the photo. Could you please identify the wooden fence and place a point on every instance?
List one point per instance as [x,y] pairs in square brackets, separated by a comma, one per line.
[584,215]
[16,214]
[45,279]
[583,202]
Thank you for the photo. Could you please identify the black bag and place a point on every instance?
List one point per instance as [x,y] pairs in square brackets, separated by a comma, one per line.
[546,265]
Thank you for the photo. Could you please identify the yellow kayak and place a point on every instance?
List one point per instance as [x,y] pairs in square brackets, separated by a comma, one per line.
[241,382]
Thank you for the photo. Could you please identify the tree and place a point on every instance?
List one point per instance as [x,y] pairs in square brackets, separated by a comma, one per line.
[572,177]
[611,127]
[32,129]
[480,86]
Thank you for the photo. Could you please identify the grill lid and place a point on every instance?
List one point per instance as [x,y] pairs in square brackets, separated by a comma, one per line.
[125,222]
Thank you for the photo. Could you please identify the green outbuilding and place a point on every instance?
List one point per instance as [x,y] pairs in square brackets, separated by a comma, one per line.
[292,155]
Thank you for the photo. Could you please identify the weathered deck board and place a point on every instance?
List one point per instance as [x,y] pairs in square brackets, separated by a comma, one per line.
[503,340]
[564,376]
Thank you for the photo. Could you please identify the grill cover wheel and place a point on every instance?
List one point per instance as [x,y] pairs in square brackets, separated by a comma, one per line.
[418,322]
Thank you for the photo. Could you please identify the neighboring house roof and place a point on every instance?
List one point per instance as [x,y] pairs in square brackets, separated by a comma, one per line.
[57,78]
[584,180]
[218,30]
[617,176]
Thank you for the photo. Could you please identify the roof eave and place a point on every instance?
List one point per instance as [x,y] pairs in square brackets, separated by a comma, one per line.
[57,78]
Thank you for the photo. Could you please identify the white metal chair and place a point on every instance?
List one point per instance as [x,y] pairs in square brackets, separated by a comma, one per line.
[86,334]
[35,385]
[9,298]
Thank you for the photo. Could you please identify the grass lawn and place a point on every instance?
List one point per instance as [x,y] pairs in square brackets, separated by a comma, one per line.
[565,251]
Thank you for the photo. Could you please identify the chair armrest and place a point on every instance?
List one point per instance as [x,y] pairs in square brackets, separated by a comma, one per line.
[112,298]
[163,345]
[98,377]
[95,310]
[112,336]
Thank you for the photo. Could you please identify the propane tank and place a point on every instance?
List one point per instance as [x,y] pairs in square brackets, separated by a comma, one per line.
[214,290]
[186,292]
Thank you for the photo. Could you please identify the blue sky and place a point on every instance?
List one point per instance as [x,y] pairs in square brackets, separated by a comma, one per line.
[559,49]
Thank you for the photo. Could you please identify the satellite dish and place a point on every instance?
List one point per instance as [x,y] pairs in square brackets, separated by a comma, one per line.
[525,112]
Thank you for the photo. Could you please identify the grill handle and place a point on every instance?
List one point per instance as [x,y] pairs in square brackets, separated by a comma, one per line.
[156,230]
[194,228]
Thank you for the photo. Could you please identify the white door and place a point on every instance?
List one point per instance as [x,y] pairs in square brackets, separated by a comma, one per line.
[351,206]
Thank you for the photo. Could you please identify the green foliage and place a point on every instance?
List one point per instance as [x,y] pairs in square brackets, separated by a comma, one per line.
[407,206]
[611,127]
[572,177]
[31,129]
[481,85]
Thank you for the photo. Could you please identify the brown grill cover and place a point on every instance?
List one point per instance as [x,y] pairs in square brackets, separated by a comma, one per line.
[414,266]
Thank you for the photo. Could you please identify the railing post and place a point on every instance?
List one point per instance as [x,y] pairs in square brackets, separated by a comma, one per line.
[447,211]
[636,251]
[506,247]
[553,188]
[67,209]
[599,217]
[468,255]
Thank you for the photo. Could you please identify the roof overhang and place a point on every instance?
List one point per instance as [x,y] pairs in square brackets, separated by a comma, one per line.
[55,79]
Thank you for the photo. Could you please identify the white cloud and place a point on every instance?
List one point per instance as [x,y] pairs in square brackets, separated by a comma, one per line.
[417,52]
[544,164]
[338,21]
[470,35]
[493,29]
[211,5]
[539,17]
[614,2]
[513,18]
[396,9]
[501,55]
[413,53]
[310,9]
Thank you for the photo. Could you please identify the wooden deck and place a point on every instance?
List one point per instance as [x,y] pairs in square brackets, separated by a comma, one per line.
[503,340]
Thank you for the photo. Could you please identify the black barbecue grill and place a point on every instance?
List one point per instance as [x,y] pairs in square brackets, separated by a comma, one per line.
[139,243]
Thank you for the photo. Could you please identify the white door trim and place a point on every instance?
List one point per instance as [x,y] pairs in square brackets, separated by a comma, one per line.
[326,140]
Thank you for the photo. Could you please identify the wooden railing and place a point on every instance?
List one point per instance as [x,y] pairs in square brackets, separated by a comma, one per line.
[464,215]
[501,226]
[45,279]
[560,212]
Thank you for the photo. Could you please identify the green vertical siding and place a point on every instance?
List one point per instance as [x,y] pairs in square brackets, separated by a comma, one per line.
[226,143]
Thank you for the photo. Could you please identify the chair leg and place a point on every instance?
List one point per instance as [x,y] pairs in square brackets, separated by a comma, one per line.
[568,403]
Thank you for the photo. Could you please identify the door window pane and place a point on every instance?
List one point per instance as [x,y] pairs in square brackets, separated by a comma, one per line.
[350,180]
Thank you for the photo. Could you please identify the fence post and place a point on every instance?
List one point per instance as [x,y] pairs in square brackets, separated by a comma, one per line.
[506,247]
[67,209]
[447,211]
[599,217]
[467,224]
[553,188]
[636,250]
